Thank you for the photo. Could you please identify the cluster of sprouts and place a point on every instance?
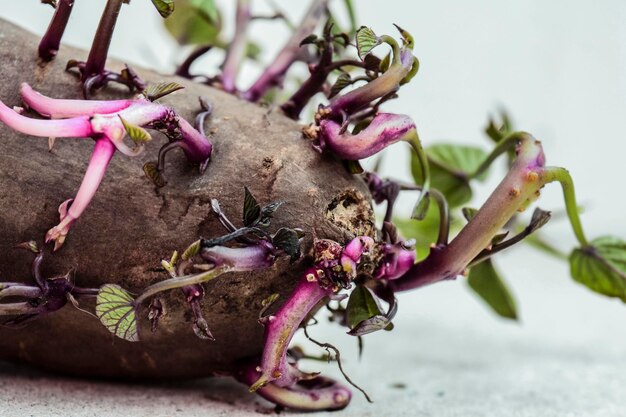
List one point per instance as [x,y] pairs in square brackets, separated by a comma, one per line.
[355,278]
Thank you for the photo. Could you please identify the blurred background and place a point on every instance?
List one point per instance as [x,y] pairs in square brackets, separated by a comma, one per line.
[559,69]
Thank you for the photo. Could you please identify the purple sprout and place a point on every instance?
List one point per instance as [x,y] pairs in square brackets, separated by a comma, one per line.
[107,123]
[335,268]
[26,302]
[51,40]
[275,72]
[93,73]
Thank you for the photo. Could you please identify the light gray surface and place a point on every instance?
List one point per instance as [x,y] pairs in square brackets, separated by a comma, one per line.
[560,68]
[455,359]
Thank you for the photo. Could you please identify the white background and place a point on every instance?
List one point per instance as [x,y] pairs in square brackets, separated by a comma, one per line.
[559,67]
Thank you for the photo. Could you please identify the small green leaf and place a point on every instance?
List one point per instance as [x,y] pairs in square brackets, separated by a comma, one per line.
[361,306]
[192,250]
[116,310]
[407,38]
[267,212]
[371,325]
[341,82]
[601,266]
[469,213]
[421,208]
[366,40]
[138,134]
[251,209]
[164,7]
[424,232]
[451,167]
[487,283]
[253,50]
[156,91]
[151,170]
[289,241]
[208,8]
[309,39]
[385,63]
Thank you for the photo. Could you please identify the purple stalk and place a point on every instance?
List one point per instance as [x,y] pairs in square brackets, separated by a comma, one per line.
[317,394]
[30,301]
[257,256]
[382,86]
[24,291]
[525,178]
[60,109]
[51,40]
[384,130]
[184,68]
[274,73]
[79,127]
[221,259]
[100,158]
[237,48]
[280,328]
[314,84]
[100,47]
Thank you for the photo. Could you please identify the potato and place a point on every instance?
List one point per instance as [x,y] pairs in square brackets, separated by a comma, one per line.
[131,225]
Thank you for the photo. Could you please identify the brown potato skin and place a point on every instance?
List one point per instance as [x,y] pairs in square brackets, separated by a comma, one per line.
[130,225]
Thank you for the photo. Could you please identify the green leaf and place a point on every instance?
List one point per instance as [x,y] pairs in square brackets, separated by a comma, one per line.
[251,209]
[116,310]
[253,50]
[421,208]
[424,232]
[407,38]
[451,167]
[385,63]
[341,82]
[164,7]
[366,40]
[151,170]
[138,134]
[289,241]
[208,8]
[371,325]
[192,250]
[195,22]
[469,213]
[601,266]
[312,38]
[488,284]
[361,306]
[156,91]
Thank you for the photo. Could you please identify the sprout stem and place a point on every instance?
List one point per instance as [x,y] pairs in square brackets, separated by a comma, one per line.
[280,328]
[51,40]
[523,181]
[179,282]
[62,108]
[102,41]
[274,73]
[237,48]
[564,178]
